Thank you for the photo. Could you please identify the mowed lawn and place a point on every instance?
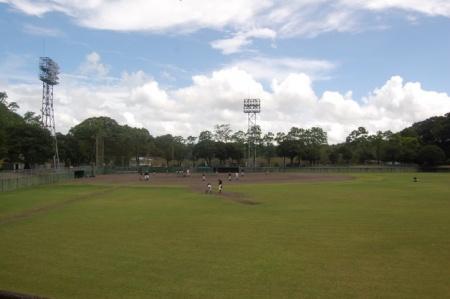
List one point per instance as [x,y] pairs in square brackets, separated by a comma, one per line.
[377,236]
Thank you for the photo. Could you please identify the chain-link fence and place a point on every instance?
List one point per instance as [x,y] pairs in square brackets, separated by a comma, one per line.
[335,169]
[18,180]
[13,180]
[316,169]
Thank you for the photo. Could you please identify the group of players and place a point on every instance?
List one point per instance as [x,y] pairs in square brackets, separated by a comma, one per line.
[219,181]
[180,173]
[146,177]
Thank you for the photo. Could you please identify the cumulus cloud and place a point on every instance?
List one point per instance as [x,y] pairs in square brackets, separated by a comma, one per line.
[138,100]
[272,18]
[93,66]
[267,68]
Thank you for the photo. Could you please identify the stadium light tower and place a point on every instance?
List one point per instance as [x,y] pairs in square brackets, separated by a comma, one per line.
[252,107]
[49,71]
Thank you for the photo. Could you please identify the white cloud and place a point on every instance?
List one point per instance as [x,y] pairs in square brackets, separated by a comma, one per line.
[93,66]
[150,15]
[236,43]
[231,45]
[277,18]
[31,8]
[138,100]
[430,7]
[135,79]
[266,68]
[42,31]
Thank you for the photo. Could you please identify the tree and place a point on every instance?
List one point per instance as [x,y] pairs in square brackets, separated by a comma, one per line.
[393,149]
[29,144]
[190,144]
[377,142]
[31,118]
[238,145]
[222,133]
[3,98]
[360,145]
[346,153]
[8,119]
[238,137]
[134,143]
[358,135]
[179,149]
[333,156]
[431,155]
[99,139]
[434,131]
[409,149]
[69,150]
[279,138]
[269,147]
[296,144]
[220,151]
[205,150]
[288,148]
[11,106]
[235,151]
[165,147]
[205,135]
[254,136]
[312,140]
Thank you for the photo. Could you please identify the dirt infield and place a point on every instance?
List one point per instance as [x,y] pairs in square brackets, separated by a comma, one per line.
[196,183]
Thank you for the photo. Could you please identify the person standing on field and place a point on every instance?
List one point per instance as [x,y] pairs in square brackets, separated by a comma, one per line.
[220,186]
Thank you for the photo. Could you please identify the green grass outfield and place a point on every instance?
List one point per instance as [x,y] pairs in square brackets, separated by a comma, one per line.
[377,236]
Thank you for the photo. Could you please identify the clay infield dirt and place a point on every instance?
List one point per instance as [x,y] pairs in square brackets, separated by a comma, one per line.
[195,182]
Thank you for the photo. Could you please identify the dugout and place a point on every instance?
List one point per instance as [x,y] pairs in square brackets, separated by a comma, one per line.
[78,174]
[226,169]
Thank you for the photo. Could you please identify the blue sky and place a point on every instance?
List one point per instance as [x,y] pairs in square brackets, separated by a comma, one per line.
[301,53]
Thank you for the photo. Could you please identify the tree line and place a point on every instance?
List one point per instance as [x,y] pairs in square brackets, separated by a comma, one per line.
[103,141]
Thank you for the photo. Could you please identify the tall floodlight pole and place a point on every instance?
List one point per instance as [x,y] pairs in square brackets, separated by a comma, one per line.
[49,71]
[252,107]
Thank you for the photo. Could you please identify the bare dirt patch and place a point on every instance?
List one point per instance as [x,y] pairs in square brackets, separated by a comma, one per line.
[195,182]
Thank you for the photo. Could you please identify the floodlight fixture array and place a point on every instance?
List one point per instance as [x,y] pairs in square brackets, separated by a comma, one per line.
[252,106]
[49,71]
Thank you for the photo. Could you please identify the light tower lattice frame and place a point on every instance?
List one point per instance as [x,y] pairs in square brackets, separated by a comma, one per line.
[49,71]
[252,107]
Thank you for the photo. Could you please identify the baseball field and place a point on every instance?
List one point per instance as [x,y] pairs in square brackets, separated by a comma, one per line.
[266,236]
